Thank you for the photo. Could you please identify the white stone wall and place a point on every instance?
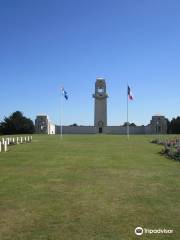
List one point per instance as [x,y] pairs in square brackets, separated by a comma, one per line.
[123,130]
[107,130]
[148,129]
[76,129]
[51,129]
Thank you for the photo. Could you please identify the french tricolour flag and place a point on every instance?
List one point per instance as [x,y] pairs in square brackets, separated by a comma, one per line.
[64,93]
[130,95]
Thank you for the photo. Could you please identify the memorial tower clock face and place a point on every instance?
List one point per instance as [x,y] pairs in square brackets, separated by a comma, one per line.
[100,106]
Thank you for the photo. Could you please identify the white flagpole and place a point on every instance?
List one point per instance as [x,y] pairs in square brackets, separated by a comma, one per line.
[127,113]
[61,110]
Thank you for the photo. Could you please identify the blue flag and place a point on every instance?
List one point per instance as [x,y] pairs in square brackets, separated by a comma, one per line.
[64,93]
[130,95]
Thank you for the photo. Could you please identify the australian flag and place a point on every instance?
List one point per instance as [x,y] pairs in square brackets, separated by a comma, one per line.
[130,95]
[64,93]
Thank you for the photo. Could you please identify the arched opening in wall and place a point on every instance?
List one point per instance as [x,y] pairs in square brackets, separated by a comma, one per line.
[158,129]
[100,130]
[100,125]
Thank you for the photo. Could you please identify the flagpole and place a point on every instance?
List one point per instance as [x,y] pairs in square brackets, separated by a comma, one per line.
[61,110]
[127,114]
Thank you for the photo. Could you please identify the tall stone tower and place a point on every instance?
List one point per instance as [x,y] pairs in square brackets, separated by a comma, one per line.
[43,125]
[158,124]
[100,106]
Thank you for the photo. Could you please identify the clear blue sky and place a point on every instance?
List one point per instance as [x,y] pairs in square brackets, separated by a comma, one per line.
[48,43]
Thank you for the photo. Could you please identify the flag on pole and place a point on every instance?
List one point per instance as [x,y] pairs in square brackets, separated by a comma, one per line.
[64,93]
[130,95]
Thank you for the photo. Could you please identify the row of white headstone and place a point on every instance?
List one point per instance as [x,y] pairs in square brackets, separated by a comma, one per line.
[4,142]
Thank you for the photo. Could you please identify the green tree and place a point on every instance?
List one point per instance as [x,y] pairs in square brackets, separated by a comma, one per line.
[168,126]
[16,123]
[132,125]
[174,126]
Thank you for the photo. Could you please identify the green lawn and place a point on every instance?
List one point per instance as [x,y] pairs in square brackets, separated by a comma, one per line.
[88,187]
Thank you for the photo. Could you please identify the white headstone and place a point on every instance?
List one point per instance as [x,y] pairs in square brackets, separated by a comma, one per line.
[21,139]
[28,139]
[25,139]
[5,146]
[13,140]
[2,140]
[17,140]
[8,141]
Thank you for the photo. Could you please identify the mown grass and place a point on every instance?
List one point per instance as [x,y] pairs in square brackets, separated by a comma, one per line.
[88,187]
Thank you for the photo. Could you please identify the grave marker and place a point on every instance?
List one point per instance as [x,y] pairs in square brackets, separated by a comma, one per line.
[5,146]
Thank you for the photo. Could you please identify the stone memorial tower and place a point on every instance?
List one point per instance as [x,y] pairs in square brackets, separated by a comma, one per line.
[158,124]
[100,106]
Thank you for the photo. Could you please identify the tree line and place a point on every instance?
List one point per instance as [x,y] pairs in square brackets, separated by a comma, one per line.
[173,126]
